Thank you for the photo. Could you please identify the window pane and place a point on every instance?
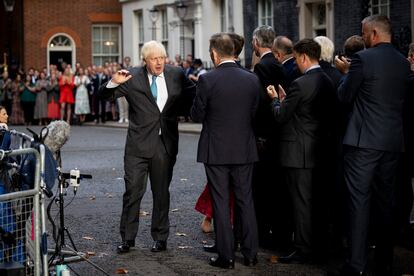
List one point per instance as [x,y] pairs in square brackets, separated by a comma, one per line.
[96,47]
[114,34]
[105,33]
[96,61]
[96,33]
[374,10]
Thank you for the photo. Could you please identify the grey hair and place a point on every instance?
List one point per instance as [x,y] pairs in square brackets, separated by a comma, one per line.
[327,48]
[57,135]
[382,22]
[265,35]
[152,47]
[283,44]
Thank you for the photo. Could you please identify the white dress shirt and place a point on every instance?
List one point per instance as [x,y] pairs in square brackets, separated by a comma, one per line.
[162,94]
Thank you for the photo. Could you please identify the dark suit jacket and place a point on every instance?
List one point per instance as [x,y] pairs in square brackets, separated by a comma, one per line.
[270,72]
[145,119]
[304,118]
[291,72]
[225,103]
[376,86]
[96,84]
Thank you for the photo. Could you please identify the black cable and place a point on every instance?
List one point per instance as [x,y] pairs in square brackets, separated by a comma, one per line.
[74,271]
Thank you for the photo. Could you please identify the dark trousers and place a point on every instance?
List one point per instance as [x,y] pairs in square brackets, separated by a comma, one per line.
[28,111]
[159,168]
[99,108]
[219,179]
[299,182]
[369,176]
[271,201]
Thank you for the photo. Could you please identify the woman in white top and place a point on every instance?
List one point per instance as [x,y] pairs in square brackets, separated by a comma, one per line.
[82,97]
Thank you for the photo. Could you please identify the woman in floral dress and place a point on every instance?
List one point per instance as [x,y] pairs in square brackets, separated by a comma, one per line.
[40,111]
[17,88]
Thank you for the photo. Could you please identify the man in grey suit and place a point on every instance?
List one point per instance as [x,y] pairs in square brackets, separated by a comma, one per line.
[225,103]
[375,85]
[153,92]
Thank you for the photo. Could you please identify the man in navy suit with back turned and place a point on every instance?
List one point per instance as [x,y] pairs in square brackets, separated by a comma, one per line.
[375,84]
[225,103]
[266,189]
[154,93]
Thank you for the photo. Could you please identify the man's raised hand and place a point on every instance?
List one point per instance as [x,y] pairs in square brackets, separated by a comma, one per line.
[121,76]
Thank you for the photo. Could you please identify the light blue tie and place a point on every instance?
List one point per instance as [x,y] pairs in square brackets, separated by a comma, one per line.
[154,87]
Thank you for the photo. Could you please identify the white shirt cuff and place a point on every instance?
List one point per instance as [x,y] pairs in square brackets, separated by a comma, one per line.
[111,84]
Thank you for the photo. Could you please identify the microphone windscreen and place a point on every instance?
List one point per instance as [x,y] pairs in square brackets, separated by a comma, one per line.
[57,135]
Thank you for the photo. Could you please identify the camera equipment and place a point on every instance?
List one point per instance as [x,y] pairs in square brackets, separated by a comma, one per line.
[71,254]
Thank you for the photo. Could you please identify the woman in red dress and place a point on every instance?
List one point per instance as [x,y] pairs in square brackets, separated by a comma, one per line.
[205,206]
[53,107]
[66,84]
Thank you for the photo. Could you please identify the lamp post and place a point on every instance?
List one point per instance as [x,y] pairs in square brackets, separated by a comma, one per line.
[154,17]
[181,12]
[8,7]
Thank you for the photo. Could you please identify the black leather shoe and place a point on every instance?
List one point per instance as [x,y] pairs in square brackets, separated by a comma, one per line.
[222,263]
[347,271]
[210,248]
[296,257]
[158,246]
[125,246]
[250,262]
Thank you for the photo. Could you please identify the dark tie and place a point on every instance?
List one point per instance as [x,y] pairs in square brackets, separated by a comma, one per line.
[154,87]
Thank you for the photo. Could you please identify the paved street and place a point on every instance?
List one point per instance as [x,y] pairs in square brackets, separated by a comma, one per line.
[93,216]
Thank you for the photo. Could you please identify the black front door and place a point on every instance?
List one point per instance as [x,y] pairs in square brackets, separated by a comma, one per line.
[57,57]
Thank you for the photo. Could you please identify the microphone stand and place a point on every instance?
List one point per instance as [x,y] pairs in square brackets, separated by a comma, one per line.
[71,254]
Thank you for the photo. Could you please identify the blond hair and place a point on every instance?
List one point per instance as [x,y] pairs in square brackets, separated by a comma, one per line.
[152,47]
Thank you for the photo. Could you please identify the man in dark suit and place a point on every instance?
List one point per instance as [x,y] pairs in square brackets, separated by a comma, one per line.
[153,93]
[225,103]
[283,51]
[98,105]
[376,84]
[303,114]
[265,187]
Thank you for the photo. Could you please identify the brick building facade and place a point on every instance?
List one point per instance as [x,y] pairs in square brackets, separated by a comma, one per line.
[337,19]
[85,31]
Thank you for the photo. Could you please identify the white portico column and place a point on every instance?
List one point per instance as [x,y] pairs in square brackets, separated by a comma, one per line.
[199,44]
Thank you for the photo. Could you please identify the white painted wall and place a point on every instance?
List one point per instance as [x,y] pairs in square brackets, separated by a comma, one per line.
[204,13]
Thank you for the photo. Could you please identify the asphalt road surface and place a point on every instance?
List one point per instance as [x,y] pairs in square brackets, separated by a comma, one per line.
[92,217]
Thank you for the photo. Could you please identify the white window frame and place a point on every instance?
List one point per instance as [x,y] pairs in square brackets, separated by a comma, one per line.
[316,26]
[306,18]
[140,31]
[266,17]
[223,15]
[164,28]
[103,55]
[380,5]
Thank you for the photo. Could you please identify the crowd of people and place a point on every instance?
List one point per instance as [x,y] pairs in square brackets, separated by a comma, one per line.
[309,152]
[62,92]
[303,139]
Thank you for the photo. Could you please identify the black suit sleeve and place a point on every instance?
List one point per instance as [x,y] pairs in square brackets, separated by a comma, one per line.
[283,111]
[349,85]
[111,94]
[198,110]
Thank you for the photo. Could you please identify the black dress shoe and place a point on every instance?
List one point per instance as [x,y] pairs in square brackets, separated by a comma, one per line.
[348,271]
[296,257]
[222,263]
[125,246]
[210,248]
[250,262]
[159,246]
